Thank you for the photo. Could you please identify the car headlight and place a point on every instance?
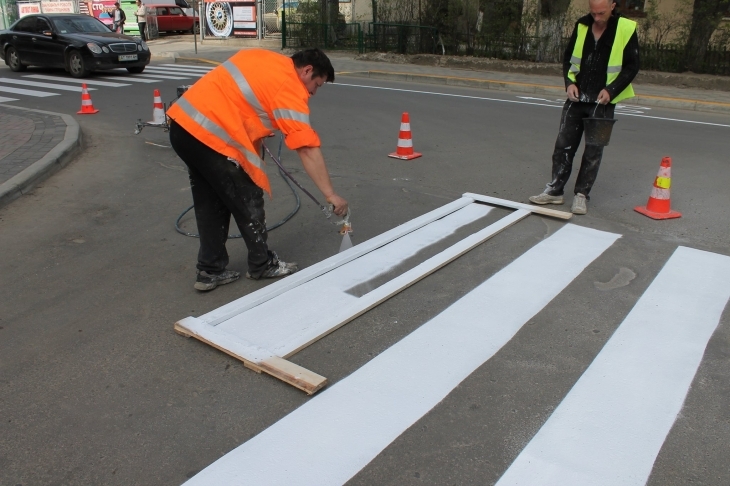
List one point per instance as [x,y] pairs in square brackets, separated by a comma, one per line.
[105,49]
[94,48]
[144,46]
[139,47]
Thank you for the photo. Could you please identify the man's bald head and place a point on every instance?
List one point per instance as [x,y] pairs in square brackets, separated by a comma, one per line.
[601,10]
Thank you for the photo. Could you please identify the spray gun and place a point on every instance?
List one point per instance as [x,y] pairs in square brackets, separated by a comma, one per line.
[328,210]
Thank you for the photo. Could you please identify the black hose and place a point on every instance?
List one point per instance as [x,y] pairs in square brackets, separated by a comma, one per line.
[268,228]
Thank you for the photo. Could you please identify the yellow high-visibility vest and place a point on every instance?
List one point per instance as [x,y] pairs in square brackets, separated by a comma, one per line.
[624,31]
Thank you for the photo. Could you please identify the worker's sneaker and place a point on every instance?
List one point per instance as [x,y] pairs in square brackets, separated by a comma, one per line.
[276,269]
[546,198]
[208,281]
[579,204]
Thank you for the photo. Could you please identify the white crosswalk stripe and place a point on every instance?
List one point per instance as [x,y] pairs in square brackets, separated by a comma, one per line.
[43,85]
[27,92]
[132,79]
[161,76]
[175,71]
[4,99]
[201,68]
[91,82]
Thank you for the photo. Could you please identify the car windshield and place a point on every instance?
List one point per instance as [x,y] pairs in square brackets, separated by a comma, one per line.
[76,25]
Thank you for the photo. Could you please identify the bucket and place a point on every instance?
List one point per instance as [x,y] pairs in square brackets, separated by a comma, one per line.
[598,130]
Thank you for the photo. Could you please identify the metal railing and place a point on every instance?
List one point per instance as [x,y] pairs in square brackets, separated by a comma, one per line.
[402,38]
[340,36]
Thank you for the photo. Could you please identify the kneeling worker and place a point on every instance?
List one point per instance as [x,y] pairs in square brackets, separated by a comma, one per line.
[216,129]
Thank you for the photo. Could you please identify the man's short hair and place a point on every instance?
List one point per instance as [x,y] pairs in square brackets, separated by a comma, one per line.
[321,65]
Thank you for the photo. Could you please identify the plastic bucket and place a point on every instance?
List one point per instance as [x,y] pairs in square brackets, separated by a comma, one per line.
[598,130]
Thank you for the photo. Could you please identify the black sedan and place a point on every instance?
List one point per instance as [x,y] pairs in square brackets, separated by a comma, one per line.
[78,43]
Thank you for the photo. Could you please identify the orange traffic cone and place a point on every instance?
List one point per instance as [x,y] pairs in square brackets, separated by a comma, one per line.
[658,206]
[404,150]
[158,111]
[87,107]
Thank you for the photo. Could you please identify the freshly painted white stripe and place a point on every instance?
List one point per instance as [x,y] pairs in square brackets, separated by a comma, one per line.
[260,296]
[36,84]
[132,79]
[609,429]
[334,435]
[27,92]
[160,76]
[519,103]
[202,68]
[3,99]
[90,82]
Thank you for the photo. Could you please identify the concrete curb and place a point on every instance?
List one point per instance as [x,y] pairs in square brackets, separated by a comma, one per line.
[646,100]
[57,158]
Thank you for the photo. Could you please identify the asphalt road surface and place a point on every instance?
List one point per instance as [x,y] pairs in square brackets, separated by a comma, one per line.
[96,388]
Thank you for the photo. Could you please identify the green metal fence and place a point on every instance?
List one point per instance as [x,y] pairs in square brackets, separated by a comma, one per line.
[402,38]
[298,35]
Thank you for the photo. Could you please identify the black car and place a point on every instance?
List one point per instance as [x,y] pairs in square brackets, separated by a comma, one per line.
[78,43]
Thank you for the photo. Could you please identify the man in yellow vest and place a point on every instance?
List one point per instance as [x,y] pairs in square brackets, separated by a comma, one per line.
[216,129]
[601,60]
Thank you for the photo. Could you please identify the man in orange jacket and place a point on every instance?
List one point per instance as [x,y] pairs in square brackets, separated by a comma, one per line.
[216,129]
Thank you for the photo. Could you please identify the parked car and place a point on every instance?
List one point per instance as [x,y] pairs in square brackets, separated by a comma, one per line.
[171,18]
[78,43]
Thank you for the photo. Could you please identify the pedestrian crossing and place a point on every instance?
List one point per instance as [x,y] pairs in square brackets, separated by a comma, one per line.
[47,85]
[607,430]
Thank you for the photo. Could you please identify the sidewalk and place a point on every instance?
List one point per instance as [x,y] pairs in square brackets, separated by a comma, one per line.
[34,143]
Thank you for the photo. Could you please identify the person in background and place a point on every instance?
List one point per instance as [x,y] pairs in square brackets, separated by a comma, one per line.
[119,17]
[600,61]
[141,14]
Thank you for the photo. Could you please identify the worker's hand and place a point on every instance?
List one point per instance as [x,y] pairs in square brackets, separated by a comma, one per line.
[573,92]
[339,203]
[603,97]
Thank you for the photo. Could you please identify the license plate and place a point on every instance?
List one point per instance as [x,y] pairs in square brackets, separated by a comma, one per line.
[128,57]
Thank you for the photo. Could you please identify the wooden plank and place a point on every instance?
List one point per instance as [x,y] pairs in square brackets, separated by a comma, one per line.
[515,205]
[405,280]
[253,357]
[253,299]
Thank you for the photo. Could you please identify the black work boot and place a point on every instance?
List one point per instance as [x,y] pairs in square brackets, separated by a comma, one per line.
[208,281]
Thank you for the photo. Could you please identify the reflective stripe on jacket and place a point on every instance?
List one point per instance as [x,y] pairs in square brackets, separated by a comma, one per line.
[243,100]
[624,30]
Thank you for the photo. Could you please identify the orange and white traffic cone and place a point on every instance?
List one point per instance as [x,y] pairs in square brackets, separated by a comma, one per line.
[404,150]
[87,107]
[158,110]
[659,203]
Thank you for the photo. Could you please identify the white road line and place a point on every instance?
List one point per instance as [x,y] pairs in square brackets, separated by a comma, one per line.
[36,84]
[338,432]
[609,429]
[202,68]
[177,71]
[133,79]
[74,80]
[151,75]
[27,92]
[519,103]
[173,73]
[3,99]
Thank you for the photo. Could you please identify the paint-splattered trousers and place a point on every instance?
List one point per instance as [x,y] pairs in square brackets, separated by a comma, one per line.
[566,145]
[220,189]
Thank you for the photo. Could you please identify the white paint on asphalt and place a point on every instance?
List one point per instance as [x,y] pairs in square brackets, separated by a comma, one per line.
[27,92]
[188,66]
[166,70]
[160,76]
[91,82]
[337,433]
[610,427]
[519,103]
[3,99]
[133,79]
[37,84]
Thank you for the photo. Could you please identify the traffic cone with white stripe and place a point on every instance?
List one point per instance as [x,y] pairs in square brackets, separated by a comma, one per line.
[87,107]
[659,203]
[158,110]
[404,150]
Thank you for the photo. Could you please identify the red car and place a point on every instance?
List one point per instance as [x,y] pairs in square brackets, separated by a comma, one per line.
[171,18]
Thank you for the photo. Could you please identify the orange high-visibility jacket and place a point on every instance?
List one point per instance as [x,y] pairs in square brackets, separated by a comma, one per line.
[243,100]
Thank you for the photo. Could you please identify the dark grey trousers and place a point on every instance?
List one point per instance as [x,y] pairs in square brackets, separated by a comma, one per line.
[566,145]
[221,188]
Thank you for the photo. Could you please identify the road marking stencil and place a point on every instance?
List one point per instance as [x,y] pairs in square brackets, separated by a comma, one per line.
[610,427]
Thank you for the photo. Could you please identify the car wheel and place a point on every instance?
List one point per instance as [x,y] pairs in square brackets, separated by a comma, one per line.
[136,69]
[219,17]
[13,60]
[77,65]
